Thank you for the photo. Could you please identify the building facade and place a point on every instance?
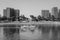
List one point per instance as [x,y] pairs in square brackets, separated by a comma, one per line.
[45,13]
[17,14]
[55,12]
[59,14]
[10,13]
[4,12]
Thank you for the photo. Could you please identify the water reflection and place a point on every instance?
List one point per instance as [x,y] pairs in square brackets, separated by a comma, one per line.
[11,32]
[40,32]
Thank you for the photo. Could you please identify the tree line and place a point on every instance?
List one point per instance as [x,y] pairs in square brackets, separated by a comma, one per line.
[33,18]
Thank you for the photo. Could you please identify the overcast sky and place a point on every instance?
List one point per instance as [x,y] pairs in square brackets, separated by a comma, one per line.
[29,7]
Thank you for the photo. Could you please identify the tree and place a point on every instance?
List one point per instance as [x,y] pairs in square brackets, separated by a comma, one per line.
[10,19]
[42,18]
[58,19]
[48,18]
[33,18]
[39,17]
[4,18]
[53,18]
[0,18]
[23,17]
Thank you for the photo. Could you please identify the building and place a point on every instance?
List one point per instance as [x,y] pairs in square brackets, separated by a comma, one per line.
[17,14]
[10,13]
[59,14]
[55,12]
[4,12]
[0,15]
[45,13]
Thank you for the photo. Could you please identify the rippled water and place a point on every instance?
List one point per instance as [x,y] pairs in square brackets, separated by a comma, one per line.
[39,33]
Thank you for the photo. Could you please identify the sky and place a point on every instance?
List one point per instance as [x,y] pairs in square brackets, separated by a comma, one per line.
[29,7]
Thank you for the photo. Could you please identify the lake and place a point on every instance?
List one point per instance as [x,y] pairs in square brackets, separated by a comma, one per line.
[39,32]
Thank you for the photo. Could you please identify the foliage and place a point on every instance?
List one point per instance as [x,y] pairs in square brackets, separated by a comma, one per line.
[53,18]
[33,18]
[39,17]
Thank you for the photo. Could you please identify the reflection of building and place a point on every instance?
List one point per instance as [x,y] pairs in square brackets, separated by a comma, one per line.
[10,12]
[45,13]
[55,12]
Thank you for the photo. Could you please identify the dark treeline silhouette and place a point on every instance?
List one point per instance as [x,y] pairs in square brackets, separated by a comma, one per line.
[33,18]
[41,18]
